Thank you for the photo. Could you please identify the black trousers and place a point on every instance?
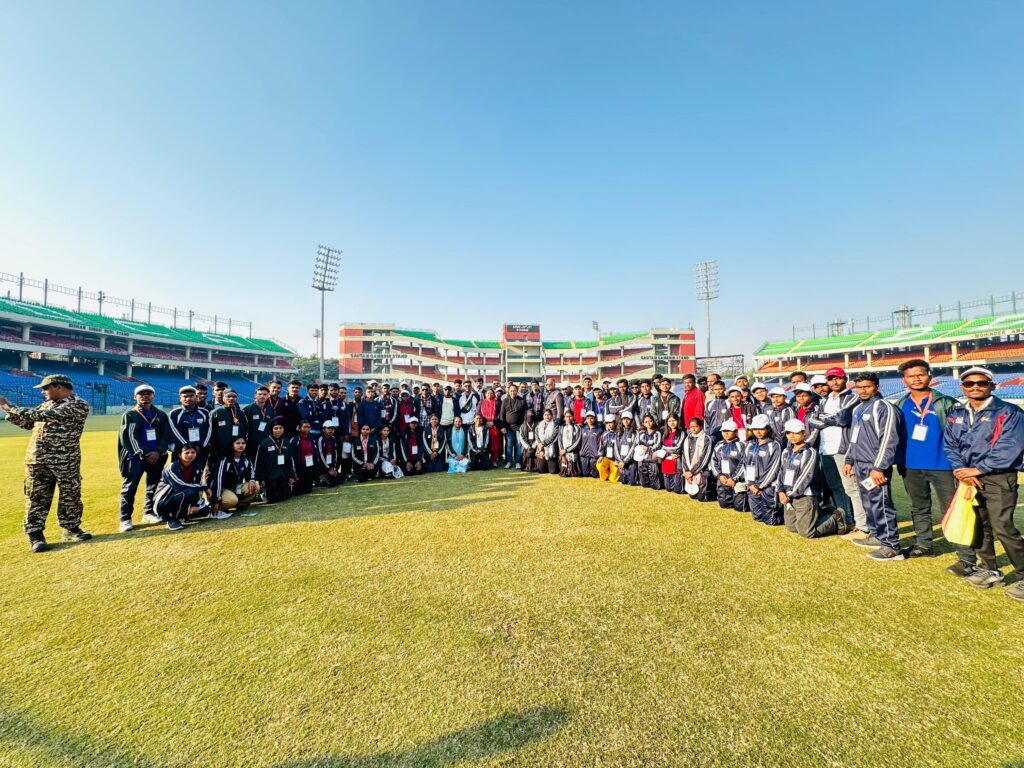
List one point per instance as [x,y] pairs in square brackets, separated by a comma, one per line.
[277,490]
[304,481]
[174,506]
[138,469]
[729,499]
[480,460]
[588,466]
[919,484]
[997,498]
[362,474]
[673,483]
[649,474]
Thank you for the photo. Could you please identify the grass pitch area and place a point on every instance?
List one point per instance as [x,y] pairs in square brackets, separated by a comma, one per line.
[489,619]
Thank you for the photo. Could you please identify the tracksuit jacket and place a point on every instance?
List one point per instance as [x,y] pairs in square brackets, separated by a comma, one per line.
[662,409]
[171,482]
[764,460]
[696,453]
[313,411]
[328,452]
[268,467]
[230,474]
[130,438]
[819,420]
[223,434]
[180,420]
[625,442]
[804,466]
[716,413]
[618,403]
[874,436]
[256,419]
[427,437]
[368,414]
[728,452]
[990,440]
[590,442]
[778,417]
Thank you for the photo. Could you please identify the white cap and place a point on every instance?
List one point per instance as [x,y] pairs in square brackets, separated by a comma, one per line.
[760,422]
[371,382]
[734,388]
[606,381]
[795,425]
[803,386]
[144,388]
[626,415]
[728,425]
[777,391]
[609,418]
[817,379]
[589,413]
[331,423]
[976,369]
[757,385]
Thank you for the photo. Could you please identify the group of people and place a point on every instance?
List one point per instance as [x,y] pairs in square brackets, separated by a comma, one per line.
[818,458]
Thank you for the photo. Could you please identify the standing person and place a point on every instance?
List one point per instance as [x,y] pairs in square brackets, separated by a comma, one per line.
[511,413]
[600,403]
[709,394]
[833,443]
[545,447]
[588,391]
[626,441]
[179,495]
[569,438]
[275,469]
[921,460]
[727,468]
[985,447]
[188,424]
[290,408]
[759,398]
[621,400]
[760,471]
[590,445]
[388,408]
[229,424]
[645,403]
[778,413]
[447,410]
[798,488]
[233,483]
[535,399]
[53,459]
[311,409]
[365,454]
[141,452]
[479,444]
[258,416]
[219,388]
[716,412]
[406,410]
[741,411]
[458,448]
[435,445]
[694,401]
[275,400]
[469,402]
[672,438]
[302,448]
[428,404]
[328,456]
[369,414]
[695,462]
[201,394]
[819,385]
[648,441]
[874,441]
[666,404]
[578,404]
[489,411]
[527,436]
[410,448]
[554,401]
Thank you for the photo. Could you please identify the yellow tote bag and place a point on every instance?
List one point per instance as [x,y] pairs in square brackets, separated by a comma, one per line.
[960,521]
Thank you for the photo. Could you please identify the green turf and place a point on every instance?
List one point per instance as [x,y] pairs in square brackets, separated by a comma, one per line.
[490,619]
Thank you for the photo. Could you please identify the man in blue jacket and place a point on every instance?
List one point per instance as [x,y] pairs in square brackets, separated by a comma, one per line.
[873,443]
[985,446]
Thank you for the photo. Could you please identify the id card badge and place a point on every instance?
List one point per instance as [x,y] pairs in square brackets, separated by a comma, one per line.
[151,435]
[609,452]
[664,413]
[193,434]
[234,430]
[238,490]
[280,459]
[329,457]
[726,467]
[530,437]
[309,461]
[414,450]
[854,432]
[261,426]
[920,432]
[788,477]
[750,473]
[868,483]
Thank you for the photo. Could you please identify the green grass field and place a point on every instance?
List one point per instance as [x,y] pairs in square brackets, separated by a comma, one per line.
[489,619]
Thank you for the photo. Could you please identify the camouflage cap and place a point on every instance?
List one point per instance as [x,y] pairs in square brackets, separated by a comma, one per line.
[59,380]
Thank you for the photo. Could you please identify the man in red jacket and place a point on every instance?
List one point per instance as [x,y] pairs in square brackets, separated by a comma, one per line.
[693,399]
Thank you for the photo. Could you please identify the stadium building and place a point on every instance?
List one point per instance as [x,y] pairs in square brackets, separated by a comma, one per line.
[108,356]
[381,351]
[993,339]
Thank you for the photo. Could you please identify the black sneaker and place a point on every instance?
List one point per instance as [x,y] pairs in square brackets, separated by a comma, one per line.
[885,554]
[840,517]
[174,525]
[37,543]
[868,541]
[920,550]
[960,569]
[75,534]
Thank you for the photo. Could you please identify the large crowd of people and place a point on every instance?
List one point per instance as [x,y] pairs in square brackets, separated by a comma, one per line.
[817,457]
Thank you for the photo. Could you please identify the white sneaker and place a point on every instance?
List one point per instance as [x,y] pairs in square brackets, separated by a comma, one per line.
[518,465]
[150,518]
[125,526]
[222,515]
[508,465]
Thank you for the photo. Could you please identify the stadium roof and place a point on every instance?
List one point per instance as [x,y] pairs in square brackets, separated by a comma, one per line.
[86,321]
[616,338]
[939,333]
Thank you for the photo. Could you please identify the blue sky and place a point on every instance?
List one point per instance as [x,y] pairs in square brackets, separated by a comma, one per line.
[482,162]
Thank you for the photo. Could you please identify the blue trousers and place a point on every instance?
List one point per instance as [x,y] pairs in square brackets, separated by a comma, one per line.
[879,506]
[763,507]
[513,453]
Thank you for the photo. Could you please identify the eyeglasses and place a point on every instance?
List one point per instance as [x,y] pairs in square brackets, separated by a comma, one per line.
[976,383]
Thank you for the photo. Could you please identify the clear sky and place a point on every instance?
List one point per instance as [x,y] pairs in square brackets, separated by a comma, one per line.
[482,162]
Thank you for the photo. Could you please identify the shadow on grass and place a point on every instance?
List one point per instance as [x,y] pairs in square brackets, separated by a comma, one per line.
[42,743]
[423,493]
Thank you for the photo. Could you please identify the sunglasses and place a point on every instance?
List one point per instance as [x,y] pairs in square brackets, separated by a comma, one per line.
[976,383]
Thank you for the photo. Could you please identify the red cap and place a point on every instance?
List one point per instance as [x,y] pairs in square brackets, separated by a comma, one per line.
[835,372]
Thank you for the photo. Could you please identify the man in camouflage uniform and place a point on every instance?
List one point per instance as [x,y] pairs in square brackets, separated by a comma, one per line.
[53,459]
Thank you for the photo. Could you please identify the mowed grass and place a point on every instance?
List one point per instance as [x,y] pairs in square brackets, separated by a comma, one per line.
[490,619]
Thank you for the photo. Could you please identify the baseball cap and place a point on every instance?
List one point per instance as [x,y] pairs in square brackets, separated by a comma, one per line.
[777,391]
[609,418]
[144,388]
[728,425]
[976,369]
[331,423]
[734,388]
[795,425]
[757,385]
[186,388]
[818,379]
[837,372]
[626,415]
[760,422]
[803,386]
[56,380]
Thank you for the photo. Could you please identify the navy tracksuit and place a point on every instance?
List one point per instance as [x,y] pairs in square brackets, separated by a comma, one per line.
[727,460]
[649,470]
[874,440]
[761,468]
[625,442]
[590,449]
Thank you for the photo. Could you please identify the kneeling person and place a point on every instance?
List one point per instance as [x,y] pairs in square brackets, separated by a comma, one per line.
[179,494]
[234,485]
[274,466]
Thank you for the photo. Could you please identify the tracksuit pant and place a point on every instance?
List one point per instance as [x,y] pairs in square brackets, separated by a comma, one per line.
[802,516]
[919,484]
[878,504]
[729,499]
[628,475]
[277,490]
[174,506]
[649,474]
[588,466]
[764,507]
[480,461]
[997,498]
[137,469]
[673,483]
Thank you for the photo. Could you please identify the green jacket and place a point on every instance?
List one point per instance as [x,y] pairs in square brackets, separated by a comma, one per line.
[942,404]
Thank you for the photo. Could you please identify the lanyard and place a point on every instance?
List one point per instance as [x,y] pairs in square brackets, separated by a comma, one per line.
[923,412]
[149,422]
[234,418]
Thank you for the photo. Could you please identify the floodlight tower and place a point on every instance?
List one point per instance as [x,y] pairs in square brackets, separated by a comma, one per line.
[706,274]
[325,278]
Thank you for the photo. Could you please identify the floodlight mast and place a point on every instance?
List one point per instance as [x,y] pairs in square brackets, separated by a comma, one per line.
[706,283]
[325,278]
